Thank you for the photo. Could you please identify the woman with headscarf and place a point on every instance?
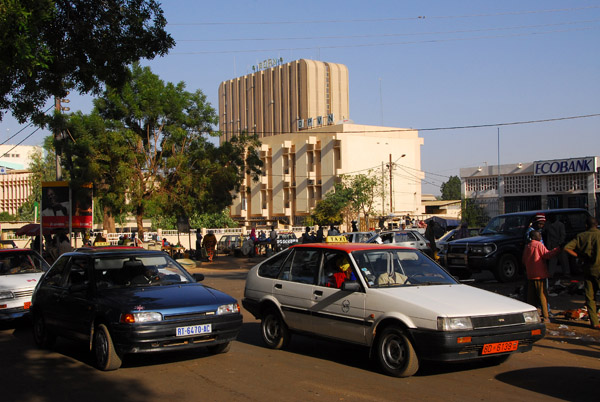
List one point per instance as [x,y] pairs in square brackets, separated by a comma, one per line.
[209,243]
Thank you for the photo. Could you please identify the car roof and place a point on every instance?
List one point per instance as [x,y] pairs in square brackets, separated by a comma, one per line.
[349,247]
[114,251]
[16,250]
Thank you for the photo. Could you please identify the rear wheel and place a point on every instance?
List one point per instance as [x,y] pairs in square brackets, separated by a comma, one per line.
[396,354]
[274,331]
[41,335]
[507,268]
[107,358]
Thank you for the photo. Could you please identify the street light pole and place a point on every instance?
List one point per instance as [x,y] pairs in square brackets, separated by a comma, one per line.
[391,190]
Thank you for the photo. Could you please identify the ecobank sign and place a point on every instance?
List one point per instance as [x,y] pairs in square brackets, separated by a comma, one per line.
[565,166]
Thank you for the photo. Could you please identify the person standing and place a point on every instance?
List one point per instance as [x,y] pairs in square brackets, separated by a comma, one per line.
[586,247]
[198,244]
[554,236]
[535,255]
[209,243]
[273,238]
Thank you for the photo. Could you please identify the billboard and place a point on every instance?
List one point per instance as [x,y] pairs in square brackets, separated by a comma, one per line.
[59,199]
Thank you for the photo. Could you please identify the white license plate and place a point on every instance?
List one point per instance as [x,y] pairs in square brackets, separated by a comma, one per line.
[194,330]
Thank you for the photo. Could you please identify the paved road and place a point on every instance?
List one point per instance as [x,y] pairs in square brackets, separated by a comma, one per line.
[311,370]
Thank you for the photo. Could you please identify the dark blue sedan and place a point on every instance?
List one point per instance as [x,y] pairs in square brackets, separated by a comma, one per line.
[130,300]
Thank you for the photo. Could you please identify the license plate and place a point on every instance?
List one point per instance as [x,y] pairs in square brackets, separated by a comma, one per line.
[194,330]
[490,348]
[26,305]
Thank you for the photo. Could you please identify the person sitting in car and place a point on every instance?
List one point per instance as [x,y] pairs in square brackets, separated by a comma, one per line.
[343,273]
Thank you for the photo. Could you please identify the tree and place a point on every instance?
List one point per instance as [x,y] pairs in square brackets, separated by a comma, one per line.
[451,189]
[329,210]
[146,143]
[50,47]
[362,190]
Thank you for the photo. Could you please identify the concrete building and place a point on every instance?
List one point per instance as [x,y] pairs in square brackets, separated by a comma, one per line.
[544,184]
[300,113]
[15,179]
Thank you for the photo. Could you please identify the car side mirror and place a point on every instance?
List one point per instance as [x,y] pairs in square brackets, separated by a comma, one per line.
[198,277]
[351,286]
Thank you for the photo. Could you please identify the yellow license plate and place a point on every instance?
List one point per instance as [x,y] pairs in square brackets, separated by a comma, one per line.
[490,348]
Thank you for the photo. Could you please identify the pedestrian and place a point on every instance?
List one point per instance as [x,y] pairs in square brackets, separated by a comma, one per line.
[320,237]
[354,226]
[462,232]
[535,256]
[430,236]
[332,231]
[307,237]
[209,243]
[273,238]
[198,244]
[586,247]
[539,221]
[554,235]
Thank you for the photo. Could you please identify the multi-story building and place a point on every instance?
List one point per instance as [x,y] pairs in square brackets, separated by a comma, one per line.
[544,184]
[300,112]
[15,179]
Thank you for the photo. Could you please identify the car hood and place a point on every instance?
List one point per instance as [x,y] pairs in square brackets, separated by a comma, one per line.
[176,298]
[453,301]
[490,238]
[19,281]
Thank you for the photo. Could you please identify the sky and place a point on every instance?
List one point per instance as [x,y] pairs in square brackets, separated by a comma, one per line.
[427,65]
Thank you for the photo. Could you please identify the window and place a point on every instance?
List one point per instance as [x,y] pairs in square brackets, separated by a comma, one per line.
[272,267]
[303,267]
[331,266]
[78,272]
[55,275]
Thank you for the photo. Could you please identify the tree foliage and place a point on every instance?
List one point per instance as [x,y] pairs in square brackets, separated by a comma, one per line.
[451,189]
[49,47]
[145,147]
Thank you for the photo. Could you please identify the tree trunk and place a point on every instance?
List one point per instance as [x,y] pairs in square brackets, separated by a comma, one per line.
[108,222]
[139,218]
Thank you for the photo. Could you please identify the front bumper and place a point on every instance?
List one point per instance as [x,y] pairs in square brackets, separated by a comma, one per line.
[444,346]
[161,336]
[475,263]
[12,313]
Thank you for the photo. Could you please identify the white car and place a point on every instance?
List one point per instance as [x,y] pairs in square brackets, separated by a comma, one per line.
[394,300]
[20,271]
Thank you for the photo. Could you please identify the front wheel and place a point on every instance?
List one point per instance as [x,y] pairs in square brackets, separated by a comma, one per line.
[274,331]
[107,358]
[396,354]
[507,269]
[41,335]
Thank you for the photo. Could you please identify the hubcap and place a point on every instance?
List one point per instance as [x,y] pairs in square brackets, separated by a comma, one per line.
[394,352]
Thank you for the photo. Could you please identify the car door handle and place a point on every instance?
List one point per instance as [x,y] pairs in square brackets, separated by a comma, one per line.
[318,293]
[278,286]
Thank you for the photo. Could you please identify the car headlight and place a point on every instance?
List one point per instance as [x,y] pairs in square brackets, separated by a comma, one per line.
[531,317]
[228,309]
[6,295]
[141,317]
[454,324]
[482,250]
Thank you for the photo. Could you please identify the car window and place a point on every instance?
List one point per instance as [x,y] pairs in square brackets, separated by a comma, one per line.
[335,263]
[54,277]
[515,224]
[404,237]
[272,267]
[384,268]
[78,273]
[13,263]
[303,267]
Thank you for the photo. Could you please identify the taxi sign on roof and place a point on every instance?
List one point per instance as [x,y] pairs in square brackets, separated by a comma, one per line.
[336,239]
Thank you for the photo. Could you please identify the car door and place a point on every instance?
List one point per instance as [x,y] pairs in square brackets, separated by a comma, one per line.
[295,286]
[338,313]
[77,307]
[49,295]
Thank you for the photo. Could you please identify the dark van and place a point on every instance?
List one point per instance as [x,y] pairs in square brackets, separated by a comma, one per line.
[500,246]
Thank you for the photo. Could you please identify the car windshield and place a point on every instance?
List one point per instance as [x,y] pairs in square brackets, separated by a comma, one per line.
[512,224]
[23,262]
[139,270]
[394,267]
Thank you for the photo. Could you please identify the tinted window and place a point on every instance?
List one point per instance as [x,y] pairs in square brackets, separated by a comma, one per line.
[54,277]
[78,273]
[514,225]
[272,267]
[305,266]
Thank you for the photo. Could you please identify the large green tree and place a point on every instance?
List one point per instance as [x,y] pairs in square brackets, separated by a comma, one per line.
[363,190]
[146,143]
[451,189]
[49,47]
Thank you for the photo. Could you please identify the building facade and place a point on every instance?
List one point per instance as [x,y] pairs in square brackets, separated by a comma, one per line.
[545,184]
[15,179]
[300,113]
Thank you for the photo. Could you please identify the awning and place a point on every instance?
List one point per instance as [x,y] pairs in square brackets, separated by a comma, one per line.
[32,229]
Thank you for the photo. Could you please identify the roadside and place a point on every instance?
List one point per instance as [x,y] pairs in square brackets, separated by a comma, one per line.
[566,297]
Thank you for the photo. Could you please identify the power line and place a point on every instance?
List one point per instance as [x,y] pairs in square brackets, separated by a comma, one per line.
[379,20]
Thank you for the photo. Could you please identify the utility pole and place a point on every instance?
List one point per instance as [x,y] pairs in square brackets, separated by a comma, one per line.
[391,190]
[58,135]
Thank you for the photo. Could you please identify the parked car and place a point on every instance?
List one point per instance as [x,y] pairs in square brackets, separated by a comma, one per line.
[228,243]
[452,235]
[500,246]
[399,303]
[20,271]
[359,237]
[406,238]
[285,240]
[130,300]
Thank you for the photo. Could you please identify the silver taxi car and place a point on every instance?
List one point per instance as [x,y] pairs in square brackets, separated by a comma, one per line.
[394,300]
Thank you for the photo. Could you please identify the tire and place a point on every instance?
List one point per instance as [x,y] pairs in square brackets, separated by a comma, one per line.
[396,354]
[220,348]
[41,335]
[275,332]
[507,269]
[107,358]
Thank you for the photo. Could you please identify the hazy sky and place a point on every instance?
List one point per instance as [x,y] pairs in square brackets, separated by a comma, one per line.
[429,65]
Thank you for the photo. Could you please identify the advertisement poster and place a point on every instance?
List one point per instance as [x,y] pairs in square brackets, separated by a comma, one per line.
[57,202]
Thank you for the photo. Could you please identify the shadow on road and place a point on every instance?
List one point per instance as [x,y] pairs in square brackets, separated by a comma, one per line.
[567,383]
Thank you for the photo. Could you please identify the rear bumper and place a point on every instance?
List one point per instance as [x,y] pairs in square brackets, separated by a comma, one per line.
[157,337]
[444,346]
